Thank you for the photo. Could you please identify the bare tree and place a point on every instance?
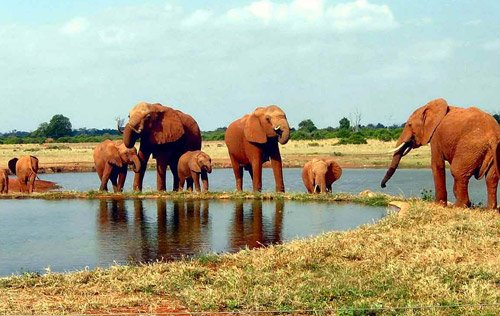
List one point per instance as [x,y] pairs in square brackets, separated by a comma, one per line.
[355,119]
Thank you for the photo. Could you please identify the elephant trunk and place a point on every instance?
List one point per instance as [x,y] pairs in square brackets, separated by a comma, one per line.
[129,137]
[284,134]
[137,164]
[320,184]
[403,149]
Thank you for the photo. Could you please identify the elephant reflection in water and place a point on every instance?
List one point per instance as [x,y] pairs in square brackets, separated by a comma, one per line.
[185,231]
[249,229]
[118,239]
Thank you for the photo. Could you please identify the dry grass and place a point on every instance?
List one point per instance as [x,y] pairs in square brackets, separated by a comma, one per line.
[431,256]
[78,157]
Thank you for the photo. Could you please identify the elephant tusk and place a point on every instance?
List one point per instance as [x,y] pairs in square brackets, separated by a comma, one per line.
[277,128]
[407,150]
[392,151]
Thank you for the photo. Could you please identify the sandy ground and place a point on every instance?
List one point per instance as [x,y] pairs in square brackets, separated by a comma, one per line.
[78,157]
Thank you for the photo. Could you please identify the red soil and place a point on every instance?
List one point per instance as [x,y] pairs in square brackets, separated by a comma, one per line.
[40,185]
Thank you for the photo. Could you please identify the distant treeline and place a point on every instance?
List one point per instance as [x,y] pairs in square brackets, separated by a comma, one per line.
[59,130]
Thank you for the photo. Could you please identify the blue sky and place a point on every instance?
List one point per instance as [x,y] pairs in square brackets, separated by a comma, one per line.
[216,60]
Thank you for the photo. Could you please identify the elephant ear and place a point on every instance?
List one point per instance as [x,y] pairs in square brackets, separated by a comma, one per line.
[113,156]
[253,130]
[432,115]
[166,125]
[334,169]
[193,163]
[12,165]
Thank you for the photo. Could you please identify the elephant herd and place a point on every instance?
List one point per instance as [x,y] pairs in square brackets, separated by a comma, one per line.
[467,138]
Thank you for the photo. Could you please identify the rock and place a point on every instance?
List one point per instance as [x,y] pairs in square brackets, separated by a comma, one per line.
[401,207]
[367,193]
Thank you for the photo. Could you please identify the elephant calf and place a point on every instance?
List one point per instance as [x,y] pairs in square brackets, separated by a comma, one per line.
[4,181]
[191,165]
[111,160]
[319,174]
[25,168]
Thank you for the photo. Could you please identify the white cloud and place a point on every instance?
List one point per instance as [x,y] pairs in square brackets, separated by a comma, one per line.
[75,26]
[431,51]
[361,15]
[197,18]
[474,22]
[493,45]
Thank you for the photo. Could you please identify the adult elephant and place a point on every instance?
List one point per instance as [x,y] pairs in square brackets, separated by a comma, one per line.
[253,140]
[318,175]
[165,133]
[467,138]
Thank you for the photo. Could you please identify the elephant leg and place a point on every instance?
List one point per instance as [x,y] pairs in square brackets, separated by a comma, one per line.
[106,174]
[122,175]
[277,166]
[189,184]
[329,188]
[196,181]
[491,187]
[461,190]
[31,183]
[257,175]
[161,173]
[204,180]
[139,176]
[182,181]
[438,172]
[114,180]
[175,175]
[238,173]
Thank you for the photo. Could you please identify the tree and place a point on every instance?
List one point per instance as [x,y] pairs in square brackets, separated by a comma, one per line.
[58,126]
[344,123]
[307,126]
[41,131]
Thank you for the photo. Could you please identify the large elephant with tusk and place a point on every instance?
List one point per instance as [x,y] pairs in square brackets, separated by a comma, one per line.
[467,138]
[166,134]
[253,139]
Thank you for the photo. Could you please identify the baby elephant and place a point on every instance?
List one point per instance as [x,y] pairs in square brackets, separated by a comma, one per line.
[25,168]
[191,165]
[319,174]
[4,181]
[111,160]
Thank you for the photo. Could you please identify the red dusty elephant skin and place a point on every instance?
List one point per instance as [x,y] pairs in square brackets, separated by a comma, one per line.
[111,159]
[25,168]
[318,175]
[166,134]
[4,181]
[467,138]
[253,140]
[192,166]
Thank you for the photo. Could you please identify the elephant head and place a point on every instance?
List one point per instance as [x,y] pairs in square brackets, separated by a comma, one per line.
[200,162]
[418,131]
[152,123]
[129,156]
[322,173]
[267,122]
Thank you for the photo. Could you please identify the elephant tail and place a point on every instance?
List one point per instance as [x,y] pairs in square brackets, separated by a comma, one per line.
[33,166]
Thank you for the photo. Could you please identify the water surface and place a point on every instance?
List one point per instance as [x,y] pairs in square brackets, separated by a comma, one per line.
[69,235]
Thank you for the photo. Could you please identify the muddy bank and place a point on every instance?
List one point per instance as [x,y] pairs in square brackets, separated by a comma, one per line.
[40,185]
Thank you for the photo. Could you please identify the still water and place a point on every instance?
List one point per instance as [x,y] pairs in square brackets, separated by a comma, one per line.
[406,182]
[67,235]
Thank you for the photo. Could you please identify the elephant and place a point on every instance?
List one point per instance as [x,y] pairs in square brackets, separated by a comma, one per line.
[467,138]
[165,133]
[111,159]
[252,140]
[26,168]
[4,181]
[192,165]
[319,174]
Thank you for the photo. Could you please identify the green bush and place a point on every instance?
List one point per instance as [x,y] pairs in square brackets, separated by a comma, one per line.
[355,138]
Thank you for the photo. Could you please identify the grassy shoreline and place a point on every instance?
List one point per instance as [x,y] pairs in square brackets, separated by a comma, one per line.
[425,256]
